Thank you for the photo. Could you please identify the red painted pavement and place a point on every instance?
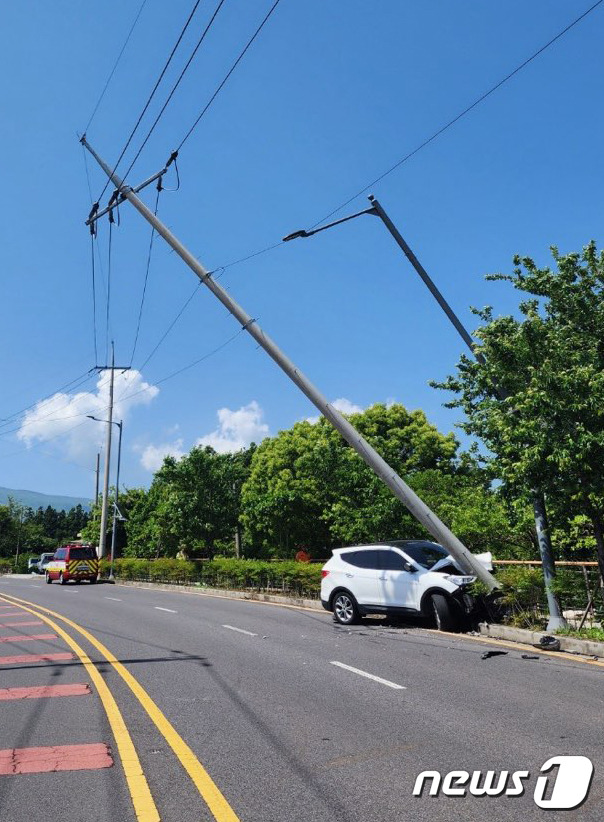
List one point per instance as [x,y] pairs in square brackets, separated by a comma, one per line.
[27,637]
[41,691]
[10,624]
[11,613]
[56,758]
[25,658]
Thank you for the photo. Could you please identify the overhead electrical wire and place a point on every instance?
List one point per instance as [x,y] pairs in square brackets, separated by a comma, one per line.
[430,139]
[140,310]
[461,114]
[171,325]
[80,380]
[151,96]
[115,65]
[107,312]
[174,87]
[94,331]
[228,74]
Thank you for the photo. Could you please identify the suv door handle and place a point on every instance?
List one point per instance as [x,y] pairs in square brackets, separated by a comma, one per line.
[349,575]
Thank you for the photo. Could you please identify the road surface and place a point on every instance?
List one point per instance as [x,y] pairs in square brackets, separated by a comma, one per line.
[189,707]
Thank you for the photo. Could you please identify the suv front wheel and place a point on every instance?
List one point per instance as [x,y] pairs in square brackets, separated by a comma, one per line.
[443,613]
[345,610]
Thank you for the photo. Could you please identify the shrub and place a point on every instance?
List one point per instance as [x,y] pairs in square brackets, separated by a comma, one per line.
[6,566]
[300,578]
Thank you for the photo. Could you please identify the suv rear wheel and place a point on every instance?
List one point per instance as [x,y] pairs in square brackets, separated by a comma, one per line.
[443,614]
[345,610]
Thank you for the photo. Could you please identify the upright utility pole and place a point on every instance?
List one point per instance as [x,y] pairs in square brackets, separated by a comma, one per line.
[96,485]
[386,473]
[120,425]
[103,537]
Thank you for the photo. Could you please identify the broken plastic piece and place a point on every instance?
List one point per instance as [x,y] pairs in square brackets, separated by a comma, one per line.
[530,656]
[548,643]
[489,654]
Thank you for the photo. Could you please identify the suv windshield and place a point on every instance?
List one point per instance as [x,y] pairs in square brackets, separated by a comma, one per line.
[425,554]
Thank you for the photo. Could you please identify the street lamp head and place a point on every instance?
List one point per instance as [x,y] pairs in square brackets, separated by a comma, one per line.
[296,234]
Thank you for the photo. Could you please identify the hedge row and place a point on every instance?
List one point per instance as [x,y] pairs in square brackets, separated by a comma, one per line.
[289,576]
[6,566]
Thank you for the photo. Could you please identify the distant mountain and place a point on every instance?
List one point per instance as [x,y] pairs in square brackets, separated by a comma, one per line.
[34,499]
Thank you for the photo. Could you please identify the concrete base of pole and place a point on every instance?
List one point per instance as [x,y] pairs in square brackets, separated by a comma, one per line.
[556,622]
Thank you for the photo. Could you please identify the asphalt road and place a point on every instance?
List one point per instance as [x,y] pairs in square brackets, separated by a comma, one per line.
[278,711]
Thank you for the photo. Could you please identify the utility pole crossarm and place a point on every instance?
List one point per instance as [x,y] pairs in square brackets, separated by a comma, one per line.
[399,488]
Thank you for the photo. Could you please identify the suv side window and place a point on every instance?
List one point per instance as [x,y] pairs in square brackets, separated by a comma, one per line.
[391,561]
[364,559]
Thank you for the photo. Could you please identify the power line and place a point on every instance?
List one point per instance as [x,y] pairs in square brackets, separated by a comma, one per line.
[140,310]
[96,354]
[71,384]
[463,113]
[231,70]
[115,65]
[171,326]
[150,98]
[174,87]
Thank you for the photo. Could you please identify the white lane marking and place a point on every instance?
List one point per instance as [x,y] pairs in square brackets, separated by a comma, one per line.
[370,676]
[169,610]
[239,630]
[114,599]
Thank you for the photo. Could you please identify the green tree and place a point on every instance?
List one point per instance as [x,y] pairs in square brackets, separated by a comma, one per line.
[549,362]
[309,489]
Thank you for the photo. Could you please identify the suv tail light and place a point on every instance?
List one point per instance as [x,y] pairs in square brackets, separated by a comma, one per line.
[324,573]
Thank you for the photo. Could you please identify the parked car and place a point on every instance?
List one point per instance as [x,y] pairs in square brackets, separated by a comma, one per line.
[43,561]
[73,562]
[413,577]
[32,564]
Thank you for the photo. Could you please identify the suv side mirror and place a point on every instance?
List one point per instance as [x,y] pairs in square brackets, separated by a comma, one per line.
[411,569]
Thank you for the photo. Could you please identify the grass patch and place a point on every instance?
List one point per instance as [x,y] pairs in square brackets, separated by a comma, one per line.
[595,634]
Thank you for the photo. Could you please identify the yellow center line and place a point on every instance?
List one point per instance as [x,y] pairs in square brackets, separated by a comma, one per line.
[144,806]
[209,791]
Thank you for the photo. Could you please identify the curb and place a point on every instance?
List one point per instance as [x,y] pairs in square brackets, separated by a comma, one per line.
[225,593]
[569,644]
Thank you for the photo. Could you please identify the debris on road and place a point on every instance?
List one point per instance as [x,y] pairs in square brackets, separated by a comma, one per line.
[489,654]
[548,643]
[530,656]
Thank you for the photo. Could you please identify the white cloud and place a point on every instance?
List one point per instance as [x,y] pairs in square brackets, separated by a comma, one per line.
[236,429]
[341,404]
[152,457]
[62,417]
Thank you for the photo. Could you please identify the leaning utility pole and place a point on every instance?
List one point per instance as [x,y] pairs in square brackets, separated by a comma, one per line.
[386,473]
[103,536]
[556,619]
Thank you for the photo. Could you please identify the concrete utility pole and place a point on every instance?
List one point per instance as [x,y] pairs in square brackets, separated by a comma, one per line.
[120,425]
[103,537]
[96,485]
[387,474]
[556,620]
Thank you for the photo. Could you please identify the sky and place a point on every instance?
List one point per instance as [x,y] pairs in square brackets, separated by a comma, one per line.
[329,96]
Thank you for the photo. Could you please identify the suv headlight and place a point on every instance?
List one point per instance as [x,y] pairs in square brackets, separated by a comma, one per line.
[459,580]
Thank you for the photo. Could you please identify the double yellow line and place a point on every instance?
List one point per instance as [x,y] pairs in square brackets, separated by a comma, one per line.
[144,805]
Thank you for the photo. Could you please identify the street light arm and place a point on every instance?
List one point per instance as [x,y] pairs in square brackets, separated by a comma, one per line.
[303,233]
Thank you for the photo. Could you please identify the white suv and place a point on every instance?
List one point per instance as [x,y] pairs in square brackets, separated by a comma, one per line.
[396,578]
